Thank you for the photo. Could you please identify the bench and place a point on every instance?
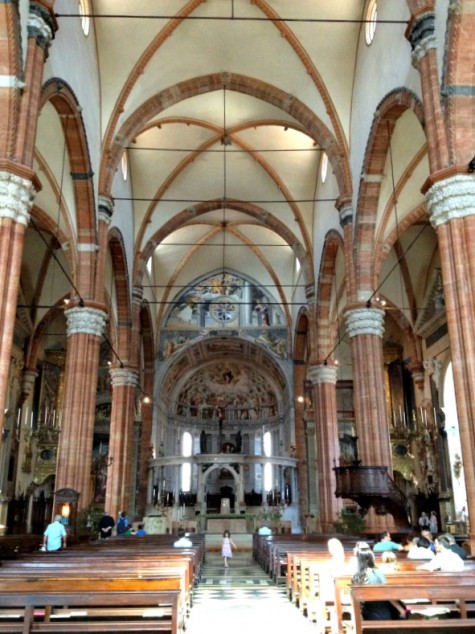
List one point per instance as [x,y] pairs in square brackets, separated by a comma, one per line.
[458,599]
[90,611]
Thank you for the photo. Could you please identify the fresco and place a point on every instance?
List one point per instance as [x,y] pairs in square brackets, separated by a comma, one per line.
[228,391]
[224,301]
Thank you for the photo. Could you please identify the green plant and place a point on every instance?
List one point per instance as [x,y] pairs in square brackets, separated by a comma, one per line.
[88,519]
[270,514]
[350,523]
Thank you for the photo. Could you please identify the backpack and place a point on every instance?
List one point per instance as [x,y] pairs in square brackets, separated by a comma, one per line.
[121,525]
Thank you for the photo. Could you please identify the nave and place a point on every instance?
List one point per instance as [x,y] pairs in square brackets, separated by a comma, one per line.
[242,599]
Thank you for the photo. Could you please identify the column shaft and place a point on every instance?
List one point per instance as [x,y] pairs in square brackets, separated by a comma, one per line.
[120,480]
[328,447]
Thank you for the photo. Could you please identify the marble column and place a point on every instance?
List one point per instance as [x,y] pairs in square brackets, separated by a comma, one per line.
[119,477]
[452,213]
[85,325]
[365,327]
[16,199]
[323,378]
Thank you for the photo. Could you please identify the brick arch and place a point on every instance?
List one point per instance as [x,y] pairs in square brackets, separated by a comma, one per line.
[406,327]
[64,101]
[46,223]
[36,341]
[460,72]
[301,335]
[326,323]
[261,90]
[386,115]
[10,66]
[122,291]
[197,210]
[148,343]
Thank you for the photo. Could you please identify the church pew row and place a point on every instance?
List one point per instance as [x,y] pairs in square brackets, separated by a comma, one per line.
[416,580]
[173,573]
[90,610]
[311,583]
[122,564]
[439,592]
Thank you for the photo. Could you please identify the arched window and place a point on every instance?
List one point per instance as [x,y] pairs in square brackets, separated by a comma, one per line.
[454,444]
[324,167]
[124,165]
[84,10]
[371,19]
[267,444]
[186,452]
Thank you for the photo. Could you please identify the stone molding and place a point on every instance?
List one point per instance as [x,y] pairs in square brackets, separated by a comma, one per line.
[87,321]
[365,321]
[421,37]
[105,209]
[41,27]
[16,197]
[346,215]
[451,198]
[318,374]
[124,377]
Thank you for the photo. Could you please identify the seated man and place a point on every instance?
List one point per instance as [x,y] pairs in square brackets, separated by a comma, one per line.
[420,549]
[386,544]
[445,559]
[454,547]
[182,541]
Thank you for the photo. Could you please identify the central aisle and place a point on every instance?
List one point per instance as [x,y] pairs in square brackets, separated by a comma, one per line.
[241,598]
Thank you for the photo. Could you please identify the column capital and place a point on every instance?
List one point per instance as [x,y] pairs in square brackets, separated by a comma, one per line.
[137,294]
[85,320]
[29,377]
[124,377]
[421,35]
[345,208]
[324,373]
[365,321]
[41,25]
[16,197]
[451,198]
[105,208]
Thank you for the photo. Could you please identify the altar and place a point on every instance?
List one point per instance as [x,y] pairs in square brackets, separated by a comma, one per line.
[233,524]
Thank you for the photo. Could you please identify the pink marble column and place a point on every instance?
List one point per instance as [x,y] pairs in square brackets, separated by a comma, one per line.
[323,378]
[121,476]
[85,325]
[452,214]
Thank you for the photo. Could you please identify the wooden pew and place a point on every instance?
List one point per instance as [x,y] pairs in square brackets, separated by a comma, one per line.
[414,579]
[91,610]
[443,592]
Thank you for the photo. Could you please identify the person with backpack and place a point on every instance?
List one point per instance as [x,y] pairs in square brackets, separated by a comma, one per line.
[122,524]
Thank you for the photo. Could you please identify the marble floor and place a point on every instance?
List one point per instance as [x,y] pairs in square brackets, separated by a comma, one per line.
[241,599]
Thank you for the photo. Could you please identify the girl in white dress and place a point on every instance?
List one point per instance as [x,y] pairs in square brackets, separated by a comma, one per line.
[227,547]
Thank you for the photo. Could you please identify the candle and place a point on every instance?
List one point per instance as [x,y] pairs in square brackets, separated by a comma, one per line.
[31,421]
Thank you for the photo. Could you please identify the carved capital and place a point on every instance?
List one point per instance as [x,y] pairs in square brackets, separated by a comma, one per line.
[124,377]
[41,26]
[318,374]
[83,320]
[451,198]
[16,197]
[365,321]
[106,209]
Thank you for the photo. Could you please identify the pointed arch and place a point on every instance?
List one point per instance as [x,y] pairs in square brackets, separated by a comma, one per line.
[389,110]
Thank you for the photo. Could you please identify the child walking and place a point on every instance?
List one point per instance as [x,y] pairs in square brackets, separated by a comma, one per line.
[227,547]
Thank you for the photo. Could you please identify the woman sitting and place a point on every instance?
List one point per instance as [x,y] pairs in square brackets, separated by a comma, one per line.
[367,572]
